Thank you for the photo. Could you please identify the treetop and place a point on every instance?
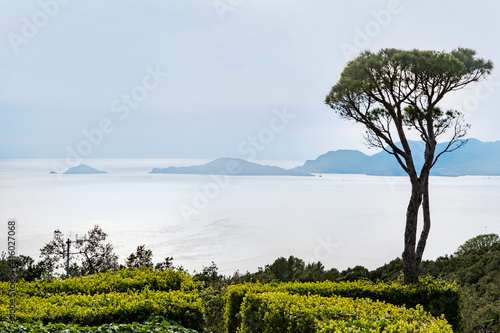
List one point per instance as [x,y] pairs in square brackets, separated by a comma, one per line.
[392,77]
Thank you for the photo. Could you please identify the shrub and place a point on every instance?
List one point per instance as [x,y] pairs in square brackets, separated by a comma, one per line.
[436,297]
[113,281]
[284,312]
[136,306]
[120,296]
[479,243]
[234,298]
[156,324]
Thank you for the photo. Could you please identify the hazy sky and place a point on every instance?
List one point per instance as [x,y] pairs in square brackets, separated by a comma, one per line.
[206,79]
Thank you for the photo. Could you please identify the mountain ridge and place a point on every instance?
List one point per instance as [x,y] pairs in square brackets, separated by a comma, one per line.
[231,166]
[474,158]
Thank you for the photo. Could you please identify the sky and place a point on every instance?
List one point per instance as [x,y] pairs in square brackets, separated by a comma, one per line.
[213,78]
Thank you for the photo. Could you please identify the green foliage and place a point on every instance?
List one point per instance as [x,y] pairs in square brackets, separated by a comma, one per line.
[395,91]
[122,296]
[412,78]
[389,272]
[477,271]
[356,273]
[212,288]
[287,270]
[316,272]
[479,243]
[263,275]
[295,269]
[437,297]
[212,298]
[234,298]
[114,281]
[167,263]
[25,267]
[112,307]
[284,312]
[95,255]
[141,258]
[155,324]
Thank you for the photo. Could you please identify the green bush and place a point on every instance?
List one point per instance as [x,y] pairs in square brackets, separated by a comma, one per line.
[436,297]
[120,296]
[98,309]
[113,281]
[234,298]
[156,324]
[284,312]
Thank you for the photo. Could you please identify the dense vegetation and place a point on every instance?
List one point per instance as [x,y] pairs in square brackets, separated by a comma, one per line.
[155,324]
[120,297]
[140,296]
[435,297]
[284,312]
[476,268]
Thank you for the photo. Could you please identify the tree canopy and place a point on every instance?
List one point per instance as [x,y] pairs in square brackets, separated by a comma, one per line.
[395,89]
[95,255]
[141,258]
[479,243]
[393,92]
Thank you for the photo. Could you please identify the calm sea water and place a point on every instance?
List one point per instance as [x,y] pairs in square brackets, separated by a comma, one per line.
[239,222]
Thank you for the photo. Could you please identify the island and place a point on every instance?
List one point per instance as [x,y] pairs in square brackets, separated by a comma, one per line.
[82,169]
[231,166]
[475,158]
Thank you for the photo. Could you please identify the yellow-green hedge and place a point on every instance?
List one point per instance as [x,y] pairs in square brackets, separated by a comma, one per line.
[113,281]
[283,312]
[98,309]
[155,324]
[436,297]
[121,296]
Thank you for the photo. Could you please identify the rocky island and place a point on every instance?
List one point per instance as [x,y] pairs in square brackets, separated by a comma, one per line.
[82,169]
[231,166]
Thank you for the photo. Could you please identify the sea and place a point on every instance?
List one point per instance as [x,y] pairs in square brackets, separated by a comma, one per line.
[240,223]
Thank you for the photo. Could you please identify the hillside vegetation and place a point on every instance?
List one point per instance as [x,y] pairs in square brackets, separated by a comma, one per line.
[476,268]
[459,292]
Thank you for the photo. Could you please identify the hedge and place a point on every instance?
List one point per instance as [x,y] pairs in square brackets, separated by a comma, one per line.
[113,281]
[436,297]
[283,312]
[98,309]
[156,324]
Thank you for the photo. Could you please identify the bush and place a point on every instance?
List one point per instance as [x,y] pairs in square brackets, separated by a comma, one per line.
[284,312]
[120,296]
[156,324]
[479,243]
[436,297]
[234,298]
[113,281]
[181,307]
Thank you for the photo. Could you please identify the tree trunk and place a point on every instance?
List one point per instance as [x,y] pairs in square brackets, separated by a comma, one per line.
[411,263]
[427,220]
